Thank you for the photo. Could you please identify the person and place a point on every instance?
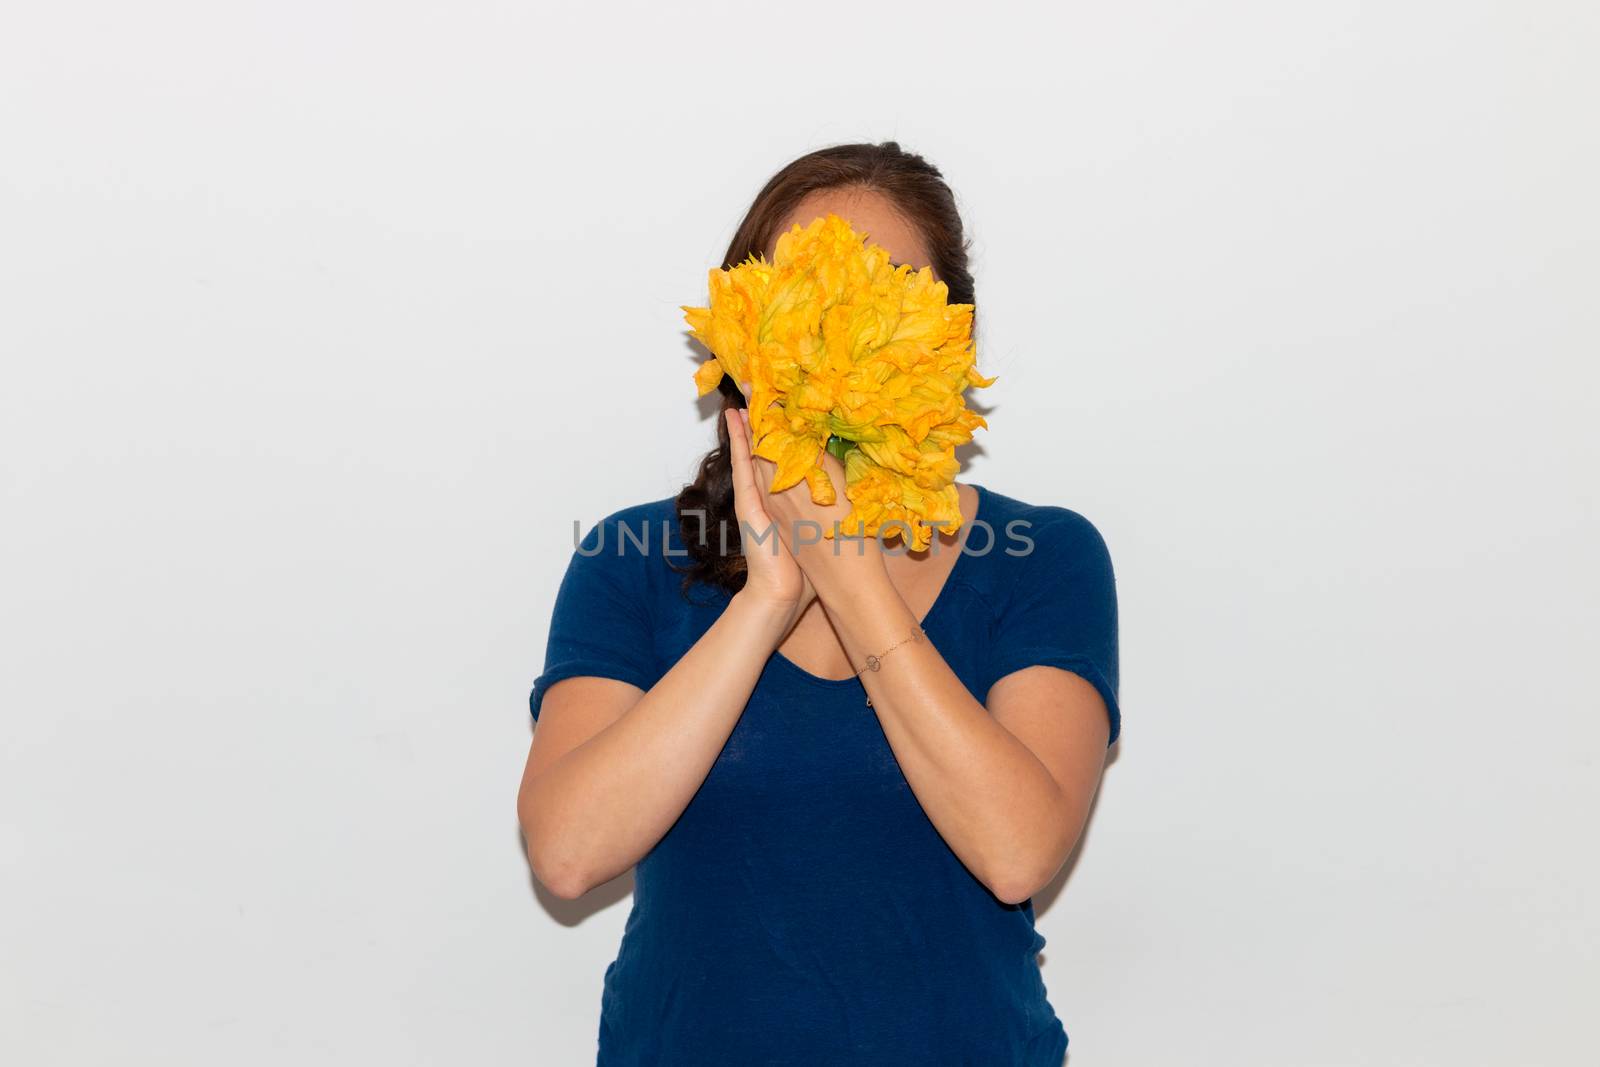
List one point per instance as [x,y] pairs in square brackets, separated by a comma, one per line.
[833,864]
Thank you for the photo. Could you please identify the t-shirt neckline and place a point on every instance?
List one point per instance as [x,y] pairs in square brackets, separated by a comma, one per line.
[945,590]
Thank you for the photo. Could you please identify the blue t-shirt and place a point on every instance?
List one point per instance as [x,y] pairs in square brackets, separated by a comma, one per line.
[803,909]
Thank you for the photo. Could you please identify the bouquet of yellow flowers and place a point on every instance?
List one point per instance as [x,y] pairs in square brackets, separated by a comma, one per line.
[835,349]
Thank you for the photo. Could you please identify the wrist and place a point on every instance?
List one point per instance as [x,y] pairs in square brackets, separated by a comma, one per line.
[848,594]
[766,614]
[843,568]
[869,620]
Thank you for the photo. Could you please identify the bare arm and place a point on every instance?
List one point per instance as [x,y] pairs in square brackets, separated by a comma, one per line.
[1007,784]
[611,767]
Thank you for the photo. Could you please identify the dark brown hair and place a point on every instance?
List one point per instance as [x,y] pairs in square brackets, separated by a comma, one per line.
[918,193]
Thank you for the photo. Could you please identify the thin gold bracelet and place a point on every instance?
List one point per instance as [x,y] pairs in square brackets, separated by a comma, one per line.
[874,662]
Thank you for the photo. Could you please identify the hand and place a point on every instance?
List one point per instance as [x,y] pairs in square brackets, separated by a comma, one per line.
[772,575]
[837,565]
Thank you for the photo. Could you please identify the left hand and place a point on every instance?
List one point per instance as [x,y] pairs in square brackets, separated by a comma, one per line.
[832,564]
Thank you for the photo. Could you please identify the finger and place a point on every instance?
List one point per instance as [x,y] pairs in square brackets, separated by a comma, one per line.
[761,470]
[764,470]
[746,497]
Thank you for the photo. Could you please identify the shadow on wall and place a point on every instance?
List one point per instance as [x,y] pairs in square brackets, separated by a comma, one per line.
[1047,896]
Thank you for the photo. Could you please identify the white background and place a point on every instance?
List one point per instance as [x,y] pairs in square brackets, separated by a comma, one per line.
[322,322]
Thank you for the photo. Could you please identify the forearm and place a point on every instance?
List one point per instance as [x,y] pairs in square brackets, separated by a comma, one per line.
[596,810]
[991,799]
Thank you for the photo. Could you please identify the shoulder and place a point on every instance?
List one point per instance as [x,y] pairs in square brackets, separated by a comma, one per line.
[1033,539]
[644,529]
[628,546]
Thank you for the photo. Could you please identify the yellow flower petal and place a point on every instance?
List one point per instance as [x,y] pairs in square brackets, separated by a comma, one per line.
[829,338]
[708,376]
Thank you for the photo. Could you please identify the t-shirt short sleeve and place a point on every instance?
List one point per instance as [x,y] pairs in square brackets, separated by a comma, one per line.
[1060,608]
[600,625]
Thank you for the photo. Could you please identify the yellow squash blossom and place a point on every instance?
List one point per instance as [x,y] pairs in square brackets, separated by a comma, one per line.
[835,348]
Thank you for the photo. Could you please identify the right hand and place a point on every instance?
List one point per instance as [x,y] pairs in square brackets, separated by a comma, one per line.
[772,575]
